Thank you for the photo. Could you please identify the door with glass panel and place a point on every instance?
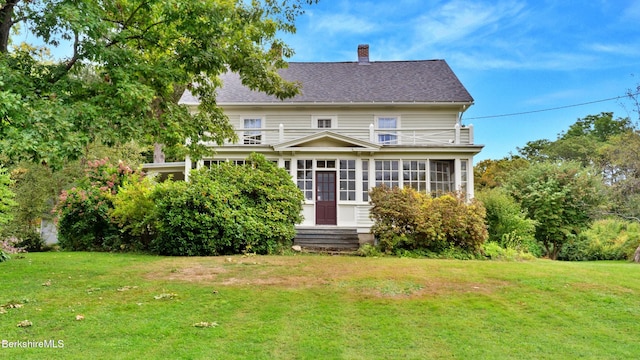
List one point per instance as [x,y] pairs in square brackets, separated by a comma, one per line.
[326,213]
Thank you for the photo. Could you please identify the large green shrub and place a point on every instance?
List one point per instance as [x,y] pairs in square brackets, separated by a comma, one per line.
[561,197]
[410,220]
[608,239]
[133,211]
[506,222]
[228,209]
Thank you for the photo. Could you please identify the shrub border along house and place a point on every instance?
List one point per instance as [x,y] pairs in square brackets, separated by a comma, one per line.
[228,209]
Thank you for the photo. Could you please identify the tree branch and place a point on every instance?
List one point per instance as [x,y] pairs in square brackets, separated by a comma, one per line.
[127,23]
[69,64]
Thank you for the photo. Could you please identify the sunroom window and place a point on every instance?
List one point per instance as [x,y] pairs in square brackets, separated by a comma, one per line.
[442,176]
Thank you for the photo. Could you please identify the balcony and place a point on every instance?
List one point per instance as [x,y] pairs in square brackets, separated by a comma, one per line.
[456,135]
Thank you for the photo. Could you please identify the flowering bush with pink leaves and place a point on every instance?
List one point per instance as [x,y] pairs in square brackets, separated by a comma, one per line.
[84,211]
[8,247]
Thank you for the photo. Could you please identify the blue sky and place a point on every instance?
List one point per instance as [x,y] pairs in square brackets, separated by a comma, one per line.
[513,56]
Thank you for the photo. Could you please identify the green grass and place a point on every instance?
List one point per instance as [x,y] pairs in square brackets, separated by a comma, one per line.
[318,307]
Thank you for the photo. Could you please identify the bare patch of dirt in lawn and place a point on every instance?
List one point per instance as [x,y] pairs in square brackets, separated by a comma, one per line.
[360,276]
[197,273]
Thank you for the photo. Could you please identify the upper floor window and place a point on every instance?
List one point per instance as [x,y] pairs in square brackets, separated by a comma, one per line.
[324,123]
[252,137]
[387,137]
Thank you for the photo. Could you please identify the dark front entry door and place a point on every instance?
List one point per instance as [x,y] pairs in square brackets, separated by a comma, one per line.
[326,198]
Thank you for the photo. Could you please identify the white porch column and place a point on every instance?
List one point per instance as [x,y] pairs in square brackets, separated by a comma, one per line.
[281,133]
[470,183]
[187,167]
[471,141]
[457,136]
[372,133]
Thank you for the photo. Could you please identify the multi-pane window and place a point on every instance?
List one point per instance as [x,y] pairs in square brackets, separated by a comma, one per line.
[210,163]
[348,180]
[305,178]
[324,123]
[414,174]
[252,137]
[441,176]
[365,180]
[464,179]
[387,173]
[387,137]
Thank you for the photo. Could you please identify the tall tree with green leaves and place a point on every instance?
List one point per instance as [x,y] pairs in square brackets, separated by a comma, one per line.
[562,198]
[128,62]
[6,199]
[582,142]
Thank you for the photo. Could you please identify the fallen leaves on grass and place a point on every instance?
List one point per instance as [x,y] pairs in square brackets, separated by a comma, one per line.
[92,290]
[47,283]
[205,324]
[79,317]
[25,323]
[125,288]
[165,296]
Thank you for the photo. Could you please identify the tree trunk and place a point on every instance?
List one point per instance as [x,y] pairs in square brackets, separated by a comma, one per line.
[158,155]
[6,22]
[636,256]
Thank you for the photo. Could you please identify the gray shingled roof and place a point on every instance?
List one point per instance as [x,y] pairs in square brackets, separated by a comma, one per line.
[344,82]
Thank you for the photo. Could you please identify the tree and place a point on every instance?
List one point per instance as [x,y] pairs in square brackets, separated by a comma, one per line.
[581,142]
[6,198]
[489,174]
[130,61]
[624,154]
[561,197]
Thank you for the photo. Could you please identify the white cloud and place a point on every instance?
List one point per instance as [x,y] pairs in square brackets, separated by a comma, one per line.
[458,19]
[342,24]
[616,49]
[556,61]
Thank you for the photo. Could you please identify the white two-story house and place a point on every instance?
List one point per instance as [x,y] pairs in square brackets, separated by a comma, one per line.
[355,125]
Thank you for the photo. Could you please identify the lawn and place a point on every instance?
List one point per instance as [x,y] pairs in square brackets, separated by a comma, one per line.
[122,306]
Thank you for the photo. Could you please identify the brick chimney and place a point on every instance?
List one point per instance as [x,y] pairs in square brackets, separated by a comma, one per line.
[363,54]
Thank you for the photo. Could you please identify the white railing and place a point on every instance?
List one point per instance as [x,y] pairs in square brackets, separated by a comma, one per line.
[405,136]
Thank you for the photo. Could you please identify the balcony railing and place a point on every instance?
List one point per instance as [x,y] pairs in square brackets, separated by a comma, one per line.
[456,135]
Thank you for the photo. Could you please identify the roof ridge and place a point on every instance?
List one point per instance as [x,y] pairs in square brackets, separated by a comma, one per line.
[356,62]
